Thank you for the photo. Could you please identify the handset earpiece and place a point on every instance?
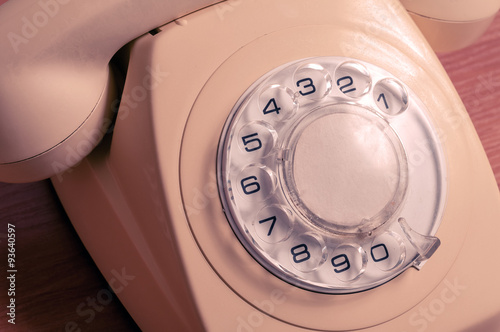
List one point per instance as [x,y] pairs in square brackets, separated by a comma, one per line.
[449,24]
[55,86]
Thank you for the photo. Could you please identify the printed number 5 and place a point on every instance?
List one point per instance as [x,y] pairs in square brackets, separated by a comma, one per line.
[252,142]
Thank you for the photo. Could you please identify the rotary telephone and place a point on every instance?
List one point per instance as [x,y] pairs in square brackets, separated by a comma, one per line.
[275,165]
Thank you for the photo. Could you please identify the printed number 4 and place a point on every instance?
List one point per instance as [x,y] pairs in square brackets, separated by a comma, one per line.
[271,107]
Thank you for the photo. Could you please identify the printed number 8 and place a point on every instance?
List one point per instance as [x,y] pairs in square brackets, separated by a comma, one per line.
[300,253]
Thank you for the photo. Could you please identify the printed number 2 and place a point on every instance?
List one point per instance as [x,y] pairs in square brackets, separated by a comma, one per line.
[344,87]
[307,84]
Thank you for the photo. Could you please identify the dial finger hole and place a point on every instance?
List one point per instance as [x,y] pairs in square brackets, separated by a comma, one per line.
[387,251]
[256,183]
[352,79]
[257,139]
[312,81]
[307,252]
[390,96]
[273,224]
[348,262]
[277,103]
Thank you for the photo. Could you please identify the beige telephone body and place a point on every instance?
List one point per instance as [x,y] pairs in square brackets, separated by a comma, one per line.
[274,165]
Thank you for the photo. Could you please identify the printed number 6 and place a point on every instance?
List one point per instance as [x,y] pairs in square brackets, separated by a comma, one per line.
[252,187]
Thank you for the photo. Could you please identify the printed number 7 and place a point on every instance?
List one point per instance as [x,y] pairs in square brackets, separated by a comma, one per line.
[273,221]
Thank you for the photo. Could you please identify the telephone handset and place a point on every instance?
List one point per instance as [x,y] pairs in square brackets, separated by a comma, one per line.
[55,81]
[274,165]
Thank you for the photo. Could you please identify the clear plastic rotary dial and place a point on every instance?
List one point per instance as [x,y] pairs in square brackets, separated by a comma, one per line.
[331,175]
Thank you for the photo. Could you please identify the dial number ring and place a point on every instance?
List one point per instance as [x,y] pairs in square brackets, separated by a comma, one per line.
[275,124]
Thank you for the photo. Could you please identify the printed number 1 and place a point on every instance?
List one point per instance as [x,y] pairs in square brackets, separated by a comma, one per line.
[382,96]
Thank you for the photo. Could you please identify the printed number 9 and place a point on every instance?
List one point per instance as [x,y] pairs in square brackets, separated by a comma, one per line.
[339,261]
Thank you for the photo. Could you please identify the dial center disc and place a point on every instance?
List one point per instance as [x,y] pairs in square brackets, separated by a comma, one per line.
[347,172]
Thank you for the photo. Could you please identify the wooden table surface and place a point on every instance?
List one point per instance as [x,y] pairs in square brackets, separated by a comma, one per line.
[56,277]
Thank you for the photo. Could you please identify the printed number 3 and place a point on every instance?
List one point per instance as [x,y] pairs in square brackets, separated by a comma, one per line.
[308,85]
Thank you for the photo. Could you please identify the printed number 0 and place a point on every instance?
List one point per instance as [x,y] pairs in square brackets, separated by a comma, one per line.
[309,84]
[382,257]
